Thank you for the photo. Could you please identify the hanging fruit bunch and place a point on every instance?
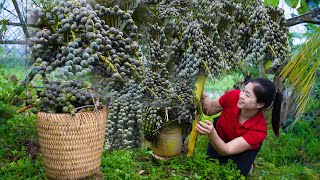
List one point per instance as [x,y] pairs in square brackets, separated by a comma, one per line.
[171,98]
[74,47]
[247,33]
[125,118]
[264,36]
[218,36]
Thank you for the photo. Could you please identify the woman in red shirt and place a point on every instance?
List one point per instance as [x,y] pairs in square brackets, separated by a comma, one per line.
[239,131]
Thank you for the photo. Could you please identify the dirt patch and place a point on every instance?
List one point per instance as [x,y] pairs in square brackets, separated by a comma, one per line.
[32,149]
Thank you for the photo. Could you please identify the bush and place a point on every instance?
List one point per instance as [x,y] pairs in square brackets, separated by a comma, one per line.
[294,155]
[19,152]
[291,148]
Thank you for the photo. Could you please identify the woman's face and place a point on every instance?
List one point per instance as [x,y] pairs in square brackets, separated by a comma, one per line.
[247,99]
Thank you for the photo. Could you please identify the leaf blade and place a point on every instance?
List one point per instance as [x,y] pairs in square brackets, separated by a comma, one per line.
[292,3]
[273,3]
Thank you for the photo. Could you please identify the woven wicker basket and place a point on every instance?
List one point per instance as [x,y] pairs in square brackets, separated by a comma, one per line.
[168,143]
[72,145]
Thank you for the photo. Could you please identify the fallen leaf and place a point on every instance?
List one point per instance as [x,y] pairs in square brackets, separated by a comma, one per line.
[141,172]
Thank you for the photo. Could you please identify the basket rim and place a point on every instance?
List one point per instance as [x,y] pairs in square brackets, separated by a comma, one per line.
[84,112]
[68,119]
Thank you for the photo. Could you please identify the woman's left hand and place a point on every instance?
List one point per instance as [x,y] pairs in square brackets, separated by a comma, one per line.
[205,128]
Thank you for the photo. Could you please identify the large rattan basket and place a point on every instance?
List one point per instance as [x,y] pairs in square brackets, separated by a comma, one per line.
[72,145]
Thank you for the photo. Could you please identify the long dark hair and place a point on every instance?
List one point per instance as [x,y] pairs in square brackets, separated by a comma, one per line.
[266,93]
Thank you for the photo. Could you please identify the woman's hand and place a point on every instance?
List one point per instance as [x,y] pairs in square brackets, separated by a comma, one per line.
[203,95]
[205,128]
[235,146]
[210,107]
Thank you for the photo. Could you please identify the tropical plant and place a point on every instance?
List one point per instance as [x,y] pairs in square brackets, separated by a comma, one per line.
[300,72]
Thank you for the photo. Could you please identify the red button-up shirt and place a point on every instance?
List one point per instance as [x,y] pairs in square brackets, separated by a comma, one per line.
[253,130]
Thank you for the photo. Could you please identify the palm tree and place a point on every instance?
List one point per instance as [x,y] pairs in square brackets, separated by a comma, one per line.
[300,73]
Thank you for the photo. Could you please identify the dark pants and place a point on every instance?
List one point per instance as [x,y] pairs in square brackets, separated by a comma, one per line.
[243,160]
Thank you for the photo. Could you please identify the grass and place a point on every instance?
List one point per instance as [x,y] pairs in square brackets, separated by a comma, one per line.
[140,164]
[266,170]
[20,72]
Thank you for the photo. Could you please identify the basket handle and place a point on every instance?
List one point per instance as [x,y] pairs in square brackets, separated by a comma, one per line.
[24,109]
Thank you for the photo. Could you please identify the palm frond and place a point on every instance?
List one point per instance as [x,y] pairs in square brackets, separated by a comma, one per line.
[300,72]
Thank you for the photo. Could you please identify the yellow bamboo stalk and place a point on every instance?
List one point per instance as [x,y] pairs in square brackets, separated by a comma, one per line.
[193,135]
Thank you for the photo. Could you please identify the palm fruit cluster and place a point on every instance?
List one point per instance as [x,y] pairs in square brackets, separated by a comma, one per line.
[217,36]
[157,115]
[124,5]
[157,85]
[186,109]
[194,49]
[265,36]
[249,32]
[88,55]
[170,100]
[125,119]
[67,97]
[177,107]
[153,44]
[80,40]
[173,8]
[74,43]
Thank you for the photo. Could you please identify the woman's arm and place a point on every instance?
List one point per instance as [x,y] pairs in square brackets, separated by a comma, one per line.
[210,107]
[235,146]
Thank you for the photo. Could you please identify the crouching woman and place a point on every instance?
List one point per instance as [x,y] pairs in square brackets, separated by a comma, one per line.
[239,131]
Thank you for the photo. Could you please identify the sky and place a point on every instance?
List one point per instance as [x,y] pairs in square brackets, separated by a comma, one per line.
[299,28]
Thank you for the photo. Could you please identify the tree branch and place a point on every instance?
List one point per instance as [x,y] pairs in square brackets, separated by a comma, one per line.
[24,27]
[14,42]
[20,24]
[310,17]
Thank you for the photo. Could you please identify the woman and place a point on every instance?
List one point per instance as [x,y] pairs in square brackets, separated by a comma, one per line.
[239,131]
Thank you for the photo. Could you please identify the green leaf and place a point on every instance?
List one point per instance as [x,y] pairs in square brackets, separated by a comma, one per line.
[273,3]
[18,90]
[292,3]
[303,7]
[268,64]
[316,1]
[3,24]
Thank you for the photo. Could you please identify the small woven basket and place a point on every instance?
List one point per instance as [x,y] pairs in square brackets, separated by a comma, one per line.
[72,145]
[168,143]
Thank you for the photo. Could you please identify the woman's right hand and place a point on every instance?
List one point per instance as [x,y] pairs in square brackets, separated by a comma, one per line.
[209,107]
[203,95]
